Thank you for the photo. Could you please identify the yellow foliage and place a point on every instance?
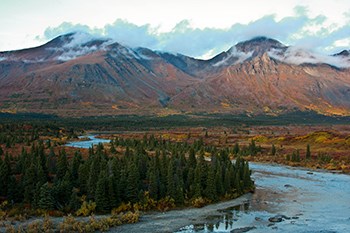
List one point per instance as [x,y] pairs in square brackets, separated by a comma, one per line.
[260,138]
[321,139]
[130,217]
[347,141]
[86,208]
[165,204]
[199,202]
[225,105]
[122,208]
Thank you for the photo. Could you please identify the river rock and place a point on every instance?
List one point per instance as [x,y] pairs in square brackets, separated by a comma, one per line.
[278,218]
[310,173]
[242,230]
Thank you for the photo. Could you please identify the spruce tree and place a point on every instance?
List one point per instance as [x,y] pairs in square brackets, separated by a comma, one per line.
[210,191]
[273,150]
[171,190]
[101,195]
[29,183]
[45,201]
[219,180]
[74,200]
[308,152]
[62,165]
[153,186]
[197,184]
[132,183]
[113,191]
[236,148]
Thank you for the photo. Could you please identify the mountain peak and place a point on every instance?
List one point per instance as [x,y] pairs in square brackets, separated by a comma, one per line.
[344,53]
[259,45]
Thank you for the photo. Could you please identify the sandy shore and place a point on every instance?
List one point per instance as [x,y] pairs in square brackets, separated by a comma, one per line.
[175,219]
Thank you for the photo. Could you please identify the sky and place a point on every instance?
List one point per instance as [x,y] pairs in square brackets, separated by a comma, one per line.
[198,28]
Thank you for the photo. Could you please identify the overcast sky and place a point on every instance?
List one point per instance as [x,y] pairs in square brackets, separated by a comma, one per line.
[199,28]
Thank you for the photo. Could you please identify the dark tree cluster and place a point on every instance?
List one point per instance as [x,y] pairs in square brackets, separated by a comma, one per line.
[121,172]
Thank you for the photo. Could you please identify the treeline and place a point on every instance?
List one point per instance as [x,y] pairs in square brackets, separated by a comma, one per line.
[127,171]
[12,134]
[137,122]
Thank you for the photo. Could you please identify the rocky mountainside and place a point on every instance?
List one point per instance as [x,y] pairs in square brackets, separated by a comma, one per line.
[76,74]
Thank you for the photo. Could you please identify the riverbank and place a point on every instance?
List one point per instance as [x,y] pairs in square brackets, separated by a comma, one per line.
[333,166]
[308,202]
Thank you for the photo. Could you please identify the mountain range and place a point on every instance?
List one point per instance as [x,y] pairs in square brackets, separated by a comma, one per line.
[78,75]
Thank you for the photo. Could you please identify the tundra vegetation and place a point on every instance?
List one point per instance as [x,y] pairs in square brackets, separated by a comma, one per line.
[39,177]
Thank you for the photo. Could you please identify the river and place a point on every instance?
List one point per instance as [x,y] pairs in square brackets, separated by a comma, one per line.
[306,201]
[88,143]
[310,202]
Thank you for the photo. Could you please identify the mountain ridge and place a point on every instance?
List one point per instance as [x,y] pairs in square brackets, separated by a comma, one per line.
[75,74]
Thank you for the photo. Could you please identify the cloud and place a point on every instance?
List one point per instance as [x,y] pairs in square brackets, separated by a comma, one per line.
[300,29]
[296,55]
[234,54]
[78,46]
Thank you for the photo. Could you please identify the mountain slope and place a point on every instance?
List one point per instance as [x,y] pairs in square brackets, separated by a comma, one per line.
[76,74]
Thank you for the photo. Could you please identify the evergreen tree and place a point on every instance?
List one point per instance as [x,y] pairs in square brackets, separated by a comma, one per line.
[210,191]
[192,158]
[236,148]
[132,183]
[197,184]
[246,176]
[171,190]
[74,200]
[5,172]
[62,165]
[153,186]
[29,183]
[93,176]
[74,169]
[308,151]
[273,150]
[101,195]
[113,192]
[62,190]
[46,201]
[51,161]
[219,181]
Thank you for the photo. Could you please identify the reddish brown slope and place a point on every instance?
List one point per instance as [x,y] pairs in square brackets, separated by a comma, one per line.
[263,84]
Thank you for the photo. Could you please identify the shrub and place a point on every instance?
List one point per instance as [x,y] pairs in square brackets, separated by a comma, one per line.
[130,217]
[47,225]
[122,208]
[86,208]
[166,204]
[34,227]
[199,202]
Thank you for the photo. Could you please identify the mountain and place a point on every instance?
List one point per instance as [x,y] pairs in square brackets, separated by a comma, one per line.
[76,74]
